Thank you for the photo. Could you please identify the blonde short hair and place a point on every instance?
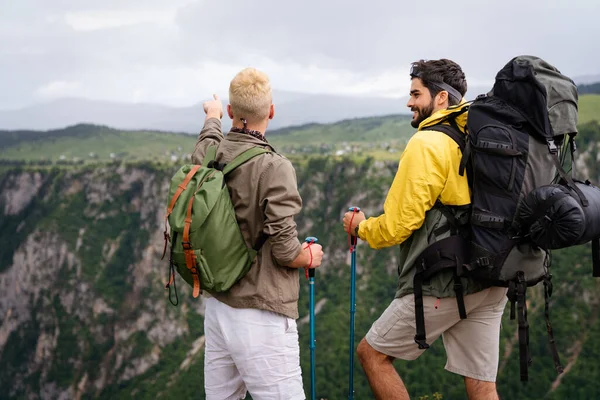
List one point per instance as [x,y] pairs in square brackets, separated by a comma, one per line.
[250,95]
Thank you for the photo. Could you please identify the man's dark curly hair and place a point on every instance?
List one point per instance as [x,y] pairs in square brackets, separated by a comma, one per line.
[443,70]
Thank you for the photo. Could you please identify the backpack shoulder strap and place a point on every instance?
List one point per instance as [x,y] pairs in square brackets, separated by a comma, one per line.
[453,130]
[244,157]
[460,138]
[456,135]
[210,155]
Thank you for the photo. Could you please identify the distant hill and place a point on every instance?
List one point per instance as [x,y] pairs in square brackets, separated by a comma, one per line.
[589,108]
[586,79]
[592,88]
[382,136]
[291,108]
[86,142]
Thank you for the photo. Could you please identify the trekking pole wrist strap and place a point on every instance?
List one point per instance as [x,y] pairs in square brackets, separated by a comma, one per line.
[311,256]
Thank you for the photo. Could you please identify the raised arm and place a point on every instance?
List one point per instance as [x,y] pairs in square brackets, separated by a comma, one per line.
[211,133]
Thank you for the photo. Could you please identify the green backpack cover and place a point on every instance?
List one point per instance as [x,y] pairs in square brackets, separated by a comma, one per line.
[207,246]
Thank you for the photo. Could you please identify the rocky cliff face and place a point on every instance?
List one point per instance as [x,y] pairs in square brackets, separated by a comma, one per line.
[81,293]
[82,305]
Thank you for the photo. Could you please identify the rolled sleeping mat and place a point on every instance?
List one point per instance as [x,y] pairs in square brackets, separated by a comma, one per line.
[554,217]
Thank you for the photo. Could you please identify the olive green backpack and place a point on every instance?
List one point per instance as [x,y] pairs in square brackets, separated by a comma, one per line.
[207,246]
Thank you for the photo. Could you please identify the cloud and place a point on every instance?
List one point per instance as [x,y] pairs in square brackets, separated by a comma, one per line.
[181,51]
[380,36]
[58,89]
[94,20]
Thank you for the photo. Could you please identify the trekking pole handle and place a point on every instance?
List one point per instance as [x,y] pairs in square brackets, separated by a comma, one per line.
[310,272]
[354,239]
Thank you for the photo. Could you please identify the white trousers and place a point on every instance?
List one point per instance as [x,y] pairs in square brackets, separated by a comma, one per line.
[250,350]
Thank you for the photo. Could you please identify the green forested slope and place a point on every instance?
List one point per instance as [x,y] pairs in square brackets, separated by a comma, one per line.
[91,143]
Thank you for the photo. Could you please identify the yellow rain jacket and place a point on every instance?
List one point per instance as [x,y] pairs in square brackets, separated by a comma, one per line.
[427,172]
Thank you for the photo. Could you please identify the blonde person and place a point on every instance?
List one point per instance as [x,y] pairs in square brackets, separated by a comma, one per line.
[251,335]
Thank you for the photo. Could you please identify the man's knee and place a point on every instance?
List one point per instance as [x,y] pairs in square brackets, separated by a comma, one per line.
[480,390]
[362,351]
[368,355]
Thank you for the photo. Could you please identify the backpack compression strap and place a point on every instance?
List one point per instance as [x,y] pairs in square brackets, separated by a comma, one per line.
[547,293]
[517,290]
[180,190]
[191,260]
[553,149]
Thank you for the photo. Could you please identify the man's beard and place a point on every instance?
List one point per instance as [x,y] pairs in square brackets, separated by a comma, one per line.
[422,114]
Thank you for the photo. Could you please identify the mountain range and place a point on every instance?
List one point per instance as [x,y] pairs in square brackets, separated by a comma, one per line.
[291,108]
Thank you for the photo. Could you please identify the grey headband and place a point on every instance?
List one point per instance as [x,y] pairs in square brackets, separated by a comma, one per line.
[440,85]
[451,91]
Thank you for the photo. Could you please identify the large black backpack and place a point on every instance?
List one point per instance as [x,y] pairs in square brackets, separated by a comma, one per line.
[523,202]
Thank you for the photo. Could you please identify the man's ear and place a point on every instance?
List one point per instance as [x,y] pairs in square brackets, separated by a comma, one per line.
[271,111]
[229,112]
[442,99]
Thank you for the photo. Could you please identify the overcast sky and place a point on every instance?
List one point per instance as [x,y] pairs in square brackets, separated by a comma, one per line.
[178,52]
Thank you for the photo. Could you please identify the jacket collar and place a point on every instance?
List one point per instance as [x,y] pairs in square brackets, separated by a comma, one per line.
[442,115]
[248,139]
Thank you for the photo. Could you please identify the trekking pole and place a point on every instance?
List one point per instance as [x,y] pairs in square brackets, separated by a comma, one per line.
[310,275]
[353,241]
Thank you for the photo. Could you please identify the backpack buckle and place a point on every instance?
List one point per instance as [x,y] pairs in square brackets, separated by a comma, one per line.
[458,287]
[552,146]
[421,342]
[483,262]
[186,245]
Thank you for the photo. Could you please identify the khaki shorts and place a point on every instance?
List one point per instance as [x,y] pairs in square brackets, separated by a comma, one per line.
[472,344]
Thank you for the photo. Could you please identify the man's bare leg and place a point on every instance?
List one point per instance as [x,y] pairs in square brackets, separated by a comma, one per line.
[385,382]
[481,390]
